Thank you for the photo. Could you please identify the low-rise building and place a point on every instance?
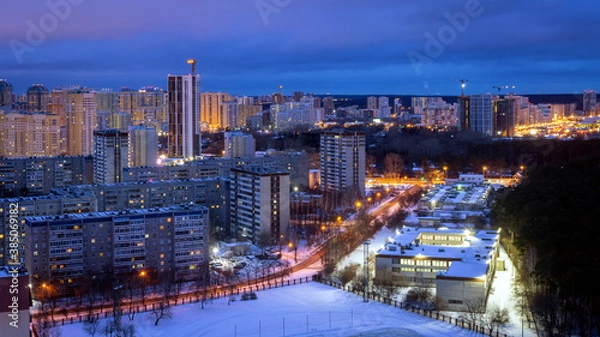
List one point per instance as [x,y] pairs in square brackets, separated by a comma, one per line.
[458,263]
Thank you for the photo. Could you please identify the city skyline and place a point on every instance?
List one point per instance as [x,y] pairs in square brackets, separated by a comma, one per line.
[336,47]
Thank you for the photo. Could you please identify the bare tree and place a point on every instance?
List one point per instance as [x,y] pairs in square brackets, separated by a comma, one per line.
[91,327]
[283,268]
[202,280]
[419,297]
[393,165]
[264,241]
[45,328]
[438,304]
[386,287]
[161,308]
[475,310]
[495,318]
[348,273]
[108,329]
[371,163]
[229,279]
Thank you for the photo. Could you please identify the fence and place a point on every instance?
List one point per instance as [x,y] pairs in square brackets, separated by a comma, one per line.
[298,323]
[212,294]
[427,313]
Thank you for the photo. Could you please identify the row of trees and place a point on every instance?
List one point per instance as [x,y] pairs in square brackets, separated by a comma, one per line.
[552,219]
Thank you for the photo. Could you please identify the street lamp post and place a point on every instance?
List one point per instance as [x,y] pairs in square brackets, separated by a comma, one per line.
[484,170]
[43,296]
[290,246]
[143,281]
[366,270]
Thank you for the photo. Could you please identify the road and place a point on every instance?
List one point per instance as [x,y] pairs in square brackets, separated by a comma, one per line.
[265,282]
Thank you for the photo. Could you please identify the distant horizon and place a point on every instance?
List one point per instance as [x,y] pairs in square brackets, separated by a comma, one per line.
[22,90]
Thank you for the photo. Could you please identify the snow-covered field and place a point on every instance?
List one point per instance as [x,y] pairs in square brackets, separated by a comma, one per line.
[310,309]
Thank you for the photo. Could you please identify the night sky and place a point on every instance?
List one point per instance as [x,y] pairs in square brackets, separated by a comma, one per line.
[250,47]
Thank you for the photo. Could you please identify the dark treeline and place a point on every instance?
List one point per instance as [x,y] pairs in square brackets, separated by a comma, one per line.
[553,218]
[459,151]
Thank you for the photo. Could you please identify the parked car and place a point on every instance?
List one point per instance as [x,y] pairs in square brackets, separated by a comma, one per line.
[249,296]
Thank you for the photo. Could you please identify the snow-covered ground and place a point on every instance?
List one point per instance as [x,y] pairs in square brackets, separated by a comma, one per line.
[501,293]
[310,309]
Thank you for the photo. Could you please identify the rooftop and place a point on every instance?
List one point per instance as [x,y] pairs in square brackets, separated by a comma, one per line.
[466,270]
[473,249]
[146,211]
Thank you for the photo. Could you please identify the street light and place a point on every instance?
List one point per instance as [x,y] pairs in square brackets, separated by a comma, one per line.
[358,204]
[143,278]
[445,172]
[290,245]
[484,169]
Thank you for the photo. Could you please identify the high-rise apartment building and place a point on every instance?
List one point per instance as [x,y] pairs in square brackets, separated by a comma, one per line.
[212,193]
[383,107]
[108,101]
[110,156]
[343,162]
[37,98]
[184,116]
[505,117]
[80,116]
[170,240]
[230,115]
[260,204]
[143,146]
[147,106]
[37,175]
[397,107]
[212,115]
[5,94]
[27,134]
[298,95]
[120,121]
[372,103]
[238,144]
[481,114]
[328,105]
[589,101]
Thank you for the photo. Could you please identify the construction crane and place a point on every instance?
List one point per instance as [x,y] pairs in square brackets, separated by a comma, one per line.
[193,63]
[463,84]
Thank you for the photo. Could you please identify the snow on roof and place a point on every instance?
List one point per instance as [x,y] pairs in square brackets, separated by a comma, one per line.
[466,270]
[475,248]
